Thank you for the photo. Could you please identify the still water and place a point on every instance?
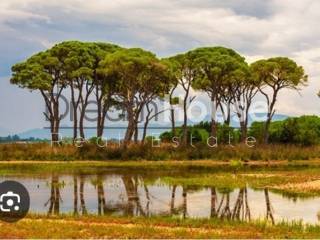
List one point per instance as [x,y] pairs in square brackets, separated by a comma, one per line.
[132,194]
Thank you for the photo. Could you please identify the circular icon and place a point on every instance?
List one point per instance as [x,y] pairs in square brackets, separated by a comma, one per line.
[14,201]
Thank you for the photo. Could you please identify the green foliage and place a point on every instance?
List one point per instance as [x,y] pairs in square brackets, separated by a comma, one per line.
[201,132]
[139,77]
[130,78]
[276,74]
[279,72]
[136,70]
[197,134]
[256,130]
[174,100]
[37,72]
[215,66]
[227,134]
[303,130]
[204,125]
[66,60]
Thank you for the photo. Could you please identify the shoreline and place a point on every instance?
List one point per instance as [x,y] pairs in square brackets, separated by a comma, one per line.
[300,178]
[200,162]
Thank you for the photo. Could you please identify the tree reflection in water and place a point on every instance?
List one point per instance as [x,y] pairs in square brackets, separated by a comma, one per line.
[241,210]
[75,195]
[269,206]
[133,207]
[81,193]
[55,197]
[140,199]
[173,196]
[102,207]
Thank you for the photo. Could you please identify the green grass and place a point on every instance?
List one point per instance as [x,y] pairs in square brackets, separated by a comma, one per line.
[37,226]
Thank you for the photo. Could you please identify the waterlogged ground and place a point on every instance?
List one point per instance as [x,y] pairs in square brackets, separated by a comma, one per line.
[271,193]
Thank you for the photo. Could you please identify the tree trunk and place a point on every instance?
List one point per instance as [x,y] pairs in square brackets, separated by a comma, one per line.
[99,116]
[214,125]
[146,123]
[173,127]
[52,113]
[102,113]
[173,124]
[228,119]
[271,112]
[136,133]
[214,128]
[100,127]
[185,121]
[84,102]
[74,112]
[55,123]
[244,131]
[145,129]
[75,123]
[81,126]
[129,132]
[266,131]
[131,125]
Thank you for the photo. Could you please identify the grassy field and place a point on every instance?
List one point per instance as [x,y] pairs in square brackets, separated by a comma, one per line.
[44,152]
[122,227]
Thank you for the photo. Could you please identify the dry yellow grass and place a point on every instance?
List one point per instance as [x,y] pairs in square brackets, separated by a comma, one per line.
[306,187]
[120,227]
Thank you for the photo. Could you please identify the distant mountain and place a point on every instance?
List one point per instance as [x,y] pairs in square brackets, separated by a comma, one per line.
[155,128]
[36,133]
[260,117]
[279,117]
[114,133]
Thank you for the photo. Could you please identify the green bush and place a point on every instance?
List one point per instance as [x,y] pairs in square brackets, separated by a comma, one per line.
[227,134]
[306,130]
[256,130]
[303,130]
[198,135]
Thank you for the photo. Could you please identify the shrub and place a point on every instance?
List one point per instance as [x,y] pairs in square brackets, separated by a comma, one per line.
[303,130]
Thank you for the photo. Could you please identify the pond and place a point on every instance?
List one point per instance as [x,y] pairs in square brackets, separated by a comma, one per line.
[137,194]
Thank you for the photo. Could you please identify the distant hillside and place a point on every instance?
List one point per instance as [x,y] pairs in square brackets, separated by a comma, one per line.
[155,128]
[235,123]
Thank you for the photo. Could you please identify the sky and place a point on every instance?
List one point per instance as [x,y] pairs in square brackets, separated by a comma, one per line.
[256,29]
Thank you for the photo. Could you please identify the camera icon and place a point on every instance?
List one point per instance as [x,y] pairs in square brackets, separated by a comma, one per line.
[14,201]
[10,202]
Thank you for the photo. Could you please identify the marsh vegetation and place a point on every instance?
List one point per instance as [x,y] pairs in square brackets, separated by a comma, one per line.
[167,198]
